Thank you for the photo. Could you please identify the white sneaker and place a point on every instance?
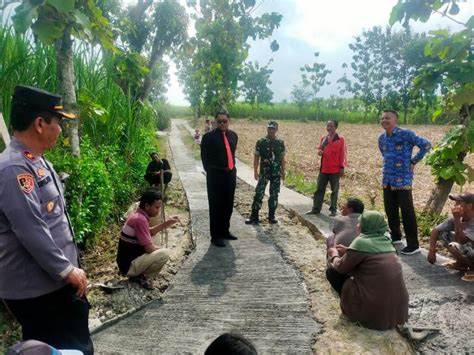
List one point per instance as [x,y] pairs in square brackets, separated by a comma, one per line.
[410,250]
[397,242]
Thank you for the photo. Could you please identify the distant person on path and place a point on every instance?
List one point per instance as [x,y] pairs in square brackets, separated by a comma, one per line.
[373,292]
[457,233]
[138,257]
[41,280]
[268,166]
[396,146]
[207,125]
[333,152]
[345,226]
[153,171]
[197,136]
[231,344]
[218,159]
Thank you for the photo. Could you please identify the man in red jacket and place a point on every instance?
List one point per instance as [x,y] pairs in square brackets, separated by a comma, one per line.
[333,152]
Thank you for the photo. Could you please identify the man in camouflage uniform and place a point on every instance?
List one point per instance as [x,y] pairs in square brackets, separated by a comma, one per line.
[270,156]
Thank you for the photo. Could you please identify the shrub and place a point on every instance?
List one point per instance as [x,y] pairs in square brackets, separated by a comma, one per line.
[89,190]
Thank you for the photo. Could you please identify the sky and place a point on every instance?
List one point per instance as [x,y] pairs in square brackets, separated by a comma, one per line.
[324,26]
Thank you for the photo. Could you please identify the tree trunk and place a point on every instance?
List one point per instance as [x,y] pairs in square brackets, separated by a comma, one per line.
[66,79]
[438,196]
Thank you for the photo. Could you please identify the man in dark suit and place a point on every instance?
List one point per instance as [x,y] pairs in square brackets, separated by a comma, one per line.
[218,159]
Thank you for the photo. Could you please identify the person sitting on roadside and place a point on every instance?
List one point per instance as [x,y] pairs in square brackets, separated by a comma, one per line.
[373,292]
[231,343]
[153,171]
[197,136]
[457,233]
[138,257]
[345,226]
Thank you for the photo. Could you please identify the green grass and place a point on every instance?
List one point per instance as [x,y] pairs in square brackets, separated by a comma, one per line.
[298,182]
[191,144]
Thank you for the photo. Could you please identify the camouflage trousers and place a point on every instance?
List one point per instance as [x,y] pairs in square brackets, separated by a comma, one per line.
[260,192]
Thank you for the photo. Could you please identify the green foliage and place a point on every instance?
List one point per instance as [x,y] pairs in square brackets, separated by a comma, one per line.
[345,110]
[118,131]
[449,67]
[180,111]
[50,18]
[163,115]
[297,181]
[314,76]
[220,47]
[101,184]
[88,190]
[255,81]
[301,95]
[427,221]
[445,160]
[147,33]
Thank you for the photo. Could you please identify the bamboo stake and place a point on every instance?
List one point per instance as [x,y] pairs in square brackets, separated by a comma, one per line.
[165,231]
[4,131]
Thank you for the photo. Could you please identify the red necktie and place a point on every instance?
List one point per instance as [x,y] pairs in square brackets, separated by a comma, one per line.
[230,161]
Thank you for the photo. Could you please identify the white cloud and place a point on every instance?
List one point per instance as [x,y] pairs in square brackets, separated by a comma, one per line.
[329,25]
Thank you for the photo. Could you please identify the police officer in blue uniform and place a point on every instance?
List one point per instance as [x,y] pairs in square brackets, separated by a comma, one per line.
[41,280]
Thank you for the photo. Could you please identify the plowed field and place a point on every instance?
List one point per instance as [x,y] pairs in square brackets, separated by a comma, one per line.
[363,174]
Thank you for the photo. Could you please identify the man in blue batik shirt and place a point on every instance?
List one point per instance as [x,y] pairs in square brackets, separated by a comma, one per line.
[396,146]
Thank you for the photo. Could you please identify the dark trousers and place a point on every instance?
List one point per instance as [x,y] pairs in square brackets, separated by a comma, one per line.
[220,194]
[318,197]
[59,318]
[336,279]
[153,179]
[260,192]
[395,200]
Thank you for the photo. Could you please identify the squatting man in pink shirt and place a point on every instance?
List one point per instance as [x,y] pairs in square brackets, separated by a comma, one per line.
[138,257]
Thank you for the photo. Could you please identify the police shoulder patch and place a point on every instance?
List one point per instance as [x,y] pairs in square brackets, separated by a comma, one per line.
[26,182]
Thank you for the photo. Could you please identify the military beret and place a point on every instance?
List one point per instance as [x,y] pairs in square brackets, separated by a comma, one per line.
[40,99]
[272,124]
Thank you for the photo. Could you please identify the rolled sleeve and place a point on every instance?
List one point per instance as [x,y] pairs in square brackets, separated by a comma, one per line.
[23,211]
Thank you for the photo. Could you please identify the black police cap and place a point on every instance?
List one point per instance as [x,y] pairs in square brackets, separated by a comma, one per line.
[41,99]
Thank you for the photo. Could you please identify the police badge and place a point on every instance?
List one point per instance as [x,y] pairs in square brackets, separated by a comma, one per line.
[26,182]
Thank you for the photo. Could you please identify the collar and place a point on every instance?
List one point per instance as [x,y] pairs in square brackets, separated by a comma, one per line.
[142,212]
[18,145]
[353,215]
[395,131]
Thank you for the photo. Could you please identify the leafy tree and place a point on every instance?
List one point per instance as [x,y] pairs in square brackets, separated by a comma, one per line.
[190,78]
[301,95]
[368,79]
[148,31]
[314,76]
[255,81]
[223,28]
[57,22]
[451,67]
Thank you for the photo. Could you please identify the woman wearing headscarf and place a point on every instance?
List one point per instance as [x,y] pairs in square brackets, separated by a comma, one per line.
[373,293]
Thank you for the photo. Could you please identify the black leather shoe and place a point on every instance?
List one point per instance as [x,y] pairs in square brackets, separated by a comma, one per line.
[252,221]
[218,242]
[231,237]
[312,212]
[272,220]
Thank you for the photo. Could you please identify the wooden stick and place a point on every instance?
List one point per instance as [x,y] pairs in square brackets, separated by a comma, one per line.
[4,131]
[162,184]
